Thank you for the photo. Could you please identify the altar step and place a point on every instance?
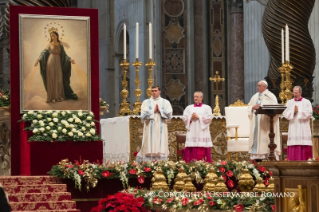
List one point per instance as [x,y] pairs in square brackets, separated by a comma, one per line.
[71,210]
[37,193]
[40,197]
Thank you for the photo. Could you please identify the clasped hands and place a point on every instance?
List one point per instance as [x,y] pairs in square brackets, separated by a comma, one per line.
[194,116]
[295,109]
[156,110]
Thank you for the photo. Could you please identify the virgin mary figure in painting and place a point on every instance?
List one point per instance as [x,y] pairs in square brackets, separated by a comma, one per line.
[55,66]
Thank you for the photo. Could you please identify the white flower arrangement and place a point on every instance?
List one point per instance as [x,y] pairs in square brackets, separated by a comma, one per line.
[61,126]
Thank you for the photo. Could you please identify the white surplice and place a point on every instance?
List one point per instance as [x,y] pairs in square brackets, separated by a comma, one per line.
[299,132]
[260,127]
[198,134]
[155,133]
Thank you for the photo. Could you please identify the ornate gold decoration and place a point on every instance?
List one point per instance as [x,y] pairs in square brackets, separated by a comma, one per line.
[210,180]
[212,174]
[150,80]
[137,92]
[246,181]
[189,186]
[238,104]
[175,89]
[271,186]
[136,136]
[296,202]
[182,173]
[49,28]
[221,186]
[179,183]
[216,79]
[260,186]
[209,184]
[288,67]
[52,29]
[217,131]
[124,106]
[159,181]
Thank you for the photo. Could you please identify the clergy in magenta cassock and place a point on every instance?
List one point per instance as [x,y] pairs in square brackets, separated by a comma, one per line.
[260,126]
[197,118]
[298,112]
[155,113]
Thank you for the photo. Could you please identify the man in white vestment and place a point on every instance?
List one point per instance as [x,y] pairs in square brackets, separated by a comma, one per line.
[197,118]
[260,126]
[155,113]
[299,112]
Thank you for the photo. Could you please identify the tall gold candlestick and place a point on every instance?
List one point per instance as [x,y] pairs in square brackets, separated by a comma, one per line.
[137,92]
[288,84]
[150,80]
[124,106]
[282,95]
[216,79]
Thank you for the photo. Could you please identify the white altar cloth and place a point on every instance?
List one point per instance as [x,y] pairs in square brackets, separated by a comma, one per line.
[116,135]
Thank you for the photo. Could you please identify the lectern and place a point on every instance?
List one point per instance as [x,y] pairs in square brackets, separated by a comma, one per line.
[271,111]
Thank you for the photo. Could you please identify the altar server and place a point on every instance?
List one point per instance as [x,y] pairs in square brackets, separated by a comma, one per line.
[197,118]
[260,126]
[155,113]
[298,112]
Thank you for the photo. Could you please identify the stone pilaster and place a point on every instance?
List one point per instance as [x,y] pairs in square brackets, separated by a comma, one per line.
[236,80]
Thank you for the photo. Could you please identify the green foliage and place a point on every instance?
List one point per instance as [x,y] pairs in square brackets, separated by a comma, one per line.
[61,126]
[4,98]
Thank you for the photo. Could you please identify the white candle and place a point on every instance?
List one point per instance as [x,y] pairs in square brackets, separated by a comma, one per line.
[282,47]
[287,43]
[288,49]
[136,40]
[150,38]
[124,44]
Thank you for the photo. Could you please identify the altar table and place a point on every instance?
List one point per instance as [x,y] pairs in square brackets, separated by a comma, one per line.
[123,137]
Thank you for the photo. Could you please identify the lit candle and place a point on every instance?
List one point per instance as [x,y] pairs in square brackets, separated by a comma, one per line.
[150,35]
[124,44]
[136,40]
[287,43]
[282,47]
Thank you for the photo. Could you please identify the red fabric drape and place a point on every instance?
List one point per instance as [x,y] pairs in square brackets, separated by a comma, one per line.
[24,151]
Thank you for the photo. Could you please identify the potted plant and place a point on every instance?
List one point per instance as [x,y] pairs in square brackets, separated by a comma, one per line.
[103,106]
[5,101]
[120,202]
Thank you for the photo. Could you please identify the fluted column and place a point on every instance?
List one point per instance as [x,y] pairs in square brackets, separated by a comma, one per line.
[236,80]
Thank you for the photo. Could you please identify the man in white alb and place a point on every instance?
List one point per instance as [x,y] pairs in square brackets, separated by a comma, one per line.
[298,112]
[259,124]
[197,118]
[155,113]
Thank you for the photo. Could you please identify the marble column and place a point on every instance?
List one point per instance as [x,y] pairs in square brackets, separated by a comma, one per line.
[236,79]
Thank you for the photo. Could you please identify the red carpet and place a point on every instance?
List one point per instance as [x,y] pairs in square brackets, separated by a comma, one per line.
[37,193]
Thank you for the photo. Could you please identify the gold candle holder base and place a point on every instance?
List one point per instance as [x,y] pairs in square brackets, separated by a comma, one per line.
[150,80]
[216,111]
[137,92]
[288,84]
[124,106]
[216,79]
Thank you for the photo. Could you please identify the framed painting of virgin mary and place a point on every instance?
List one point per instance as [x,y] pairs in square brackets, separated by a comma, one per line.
[54,62]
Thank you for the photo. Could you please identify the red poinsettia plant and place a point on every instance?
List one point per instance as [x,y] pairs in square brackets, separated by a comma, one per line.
[120,202]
